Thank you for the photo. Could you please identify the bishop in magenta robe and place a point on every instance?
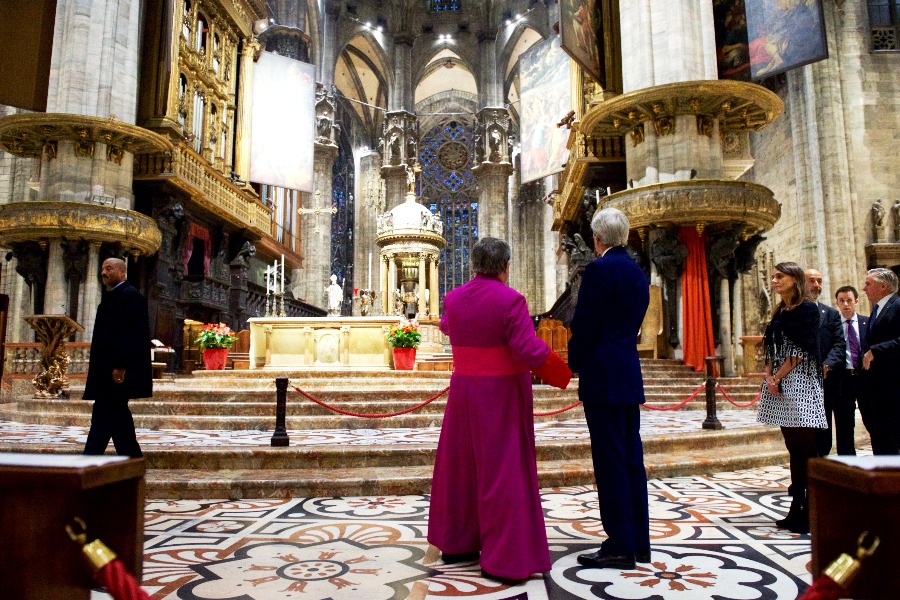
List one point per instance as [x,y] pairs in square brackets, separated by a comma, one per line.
[484,494]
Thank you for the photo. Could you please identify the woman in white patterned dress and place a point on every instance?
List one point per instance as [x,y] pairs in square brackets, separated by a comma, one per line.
[792,391]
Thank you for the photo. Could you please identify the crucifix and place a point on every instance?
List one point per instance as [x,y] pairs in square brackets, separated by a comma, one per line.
[317,211]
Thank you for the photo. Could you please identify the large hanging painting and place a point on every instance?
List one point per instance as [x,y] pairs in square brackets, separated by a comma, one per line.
[546,99]
[579,29]
[732,49]
[784,34]
[283,127]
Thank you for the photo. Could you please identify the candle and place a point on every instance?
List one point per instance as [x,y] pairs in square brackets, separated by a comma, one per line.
[369,286]
[597,195]
[268,285]
[282,273]
[608,191]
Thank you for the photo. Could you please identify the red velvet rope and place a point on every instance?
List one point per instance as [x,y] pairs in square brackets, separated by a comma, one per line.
[556,412]
[680,404]
[824,588]
[727,397]
[373,415]
[119,583]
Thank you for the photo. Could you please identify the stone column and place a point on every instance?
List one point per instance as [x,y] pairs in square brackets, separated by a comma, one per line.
[726,344]
[423,309]
[392,283]
[370,203]
[315,229]
[91,289]
[245,106]
[56,297]
[435,292]
[492,171]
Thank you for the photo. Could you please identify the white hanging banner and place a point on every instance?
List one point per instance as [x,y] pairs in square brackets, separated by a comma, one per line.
[283,123]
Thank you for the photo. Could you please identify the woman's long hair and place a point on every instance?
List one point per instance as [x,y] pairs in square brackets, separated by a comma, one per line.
[794,270]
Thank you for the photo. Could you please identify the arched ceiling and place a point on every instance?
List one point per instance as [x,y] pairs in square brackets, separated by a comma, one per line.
[445,72]
[360,76]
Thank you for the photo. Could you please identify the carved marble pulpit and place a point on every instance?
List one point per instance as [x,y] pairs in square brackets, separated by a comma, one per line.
[52,331]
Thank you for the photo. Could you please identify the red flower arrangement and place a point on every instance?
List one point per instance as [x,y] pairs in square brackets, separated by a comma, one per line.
[405,335]
[216,336]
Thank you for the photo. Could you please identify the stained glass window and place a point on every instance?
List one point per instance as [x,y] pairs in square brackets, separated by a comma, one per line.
[442,5]
[446,153]
[342,185]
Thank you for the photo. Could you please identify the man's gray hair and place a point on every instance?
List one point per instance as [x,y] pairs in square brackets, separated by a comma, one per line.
[610,225]
[886,277]
[490,256]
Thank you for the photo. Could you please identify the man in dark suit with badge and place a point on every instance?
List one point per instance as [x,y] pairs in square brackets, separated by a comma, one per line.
[832,350]
[847,375]
[120,367]
[612,301]
[880,400]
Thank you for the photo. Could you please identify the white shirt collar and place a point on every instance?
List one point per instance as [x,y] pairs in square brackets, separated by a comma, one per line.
[882,302]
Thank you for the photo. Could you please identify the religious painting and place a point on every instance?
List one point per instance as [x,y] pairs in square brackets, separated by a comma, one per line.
[579,30]
[546,98]
[283,123]
[784,34]
[732,47]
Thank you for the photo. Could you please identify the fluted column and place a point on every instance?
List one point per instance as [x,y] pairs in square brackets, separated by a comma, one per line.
[435,290]
[56,301]
[423,309]
[315,228]
[91,290]
[385,286]
[245,104]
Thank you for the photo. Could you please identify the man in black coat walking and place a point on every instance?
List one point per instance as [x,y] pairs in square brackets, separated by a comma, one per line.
[120,363]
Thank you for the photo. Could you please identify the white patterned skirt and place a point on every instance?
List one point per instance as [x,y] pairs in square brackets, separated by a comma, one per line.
[801,403]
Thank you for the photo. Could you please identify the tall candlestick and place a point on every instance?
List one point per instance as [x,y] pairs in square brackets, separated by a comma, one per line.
[597,195]
[282,274]
[268,284]
[369,286]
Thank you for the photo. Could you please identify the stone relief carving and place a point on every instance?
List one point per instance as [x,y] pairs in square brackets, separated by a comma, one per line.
[745,254]
[878,221]
[668,254]
[720,254]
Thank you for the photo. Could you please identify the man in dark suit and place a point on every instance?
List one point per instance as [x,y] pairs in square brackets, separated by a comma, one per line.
[832,349]
[846,375]
[612,301]
[880,401]
[120,363]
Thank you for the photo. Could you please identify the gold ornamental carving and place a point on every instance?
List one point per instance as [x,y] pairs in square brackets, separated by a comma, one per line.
[29,221]
[52,331]
[32,134]
[737,105]
[699,201]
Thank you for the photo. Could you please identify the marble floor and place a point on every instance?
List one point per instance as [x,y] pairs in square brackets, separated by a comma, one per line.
[713,535]
[712,538]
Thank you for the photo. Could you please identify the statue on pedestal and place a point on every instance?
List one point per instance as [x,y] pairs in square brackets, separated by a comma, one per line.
[878,219]
[334,294]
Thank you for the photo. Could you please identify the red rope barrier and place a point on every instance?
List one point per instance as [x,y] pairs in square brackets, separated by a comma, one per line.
[556,412]
[680,404]
[727,397]
[374,415]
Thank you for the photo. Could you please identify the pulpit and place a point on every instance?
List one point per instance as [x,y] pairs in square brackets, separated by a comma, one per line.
[40,494]
[52,331]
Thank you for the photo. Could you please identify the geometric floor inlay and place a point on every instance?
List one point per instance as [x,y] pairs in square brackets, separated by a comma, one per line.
[713,537]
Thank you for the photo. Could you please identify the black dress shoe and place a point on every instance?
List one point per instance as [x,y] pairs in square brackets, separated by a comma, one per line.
[600,560]
[642,556]
[452,559]
[499,579]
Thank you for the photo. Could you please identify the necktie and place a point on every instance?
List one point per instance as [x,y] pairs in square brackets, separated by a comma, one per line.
[872,321]
[852,344]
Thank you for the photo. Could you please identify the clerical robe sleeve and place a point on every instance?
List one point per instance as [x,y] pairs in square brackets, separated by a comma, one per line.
[522,340]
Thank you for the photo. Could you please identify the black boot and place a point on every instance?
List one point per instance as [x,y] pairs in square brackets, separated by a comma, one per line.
[797,519]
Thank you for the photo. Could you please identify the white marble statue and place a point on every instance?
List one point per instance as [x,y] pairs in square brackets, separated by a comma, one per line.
[335,296]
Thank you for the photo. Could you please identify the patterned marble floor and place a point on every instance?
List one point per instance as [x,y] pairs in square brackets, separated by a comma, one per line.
[652,423]
[712,538]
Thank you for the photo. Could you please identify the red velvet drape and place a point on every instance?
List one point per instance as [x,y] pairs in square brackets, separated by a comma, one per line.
[696,312]
[198,231]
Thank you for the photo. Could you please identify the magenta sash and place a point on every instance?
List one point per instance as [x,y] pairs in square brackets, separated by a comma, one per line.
[486,361]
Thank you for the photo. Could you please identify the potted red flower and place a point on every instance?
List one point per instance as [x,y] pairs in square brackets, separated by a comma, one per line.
[215,341]
[404,337]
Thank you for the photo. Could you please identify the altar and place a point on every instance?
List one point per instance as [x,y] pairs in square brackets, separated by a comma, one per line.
[320,342]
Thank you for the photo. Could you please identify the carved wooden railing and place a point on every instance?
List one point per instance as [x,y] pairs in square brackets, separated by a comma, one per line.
[206,291]
[24,358]
[188,171]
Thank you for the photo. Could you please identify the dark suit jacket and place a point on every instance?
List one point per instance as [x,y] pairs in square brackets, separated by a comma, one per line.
[612,301]
[832,345]
[121,341]
[862,324]
[884,342]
